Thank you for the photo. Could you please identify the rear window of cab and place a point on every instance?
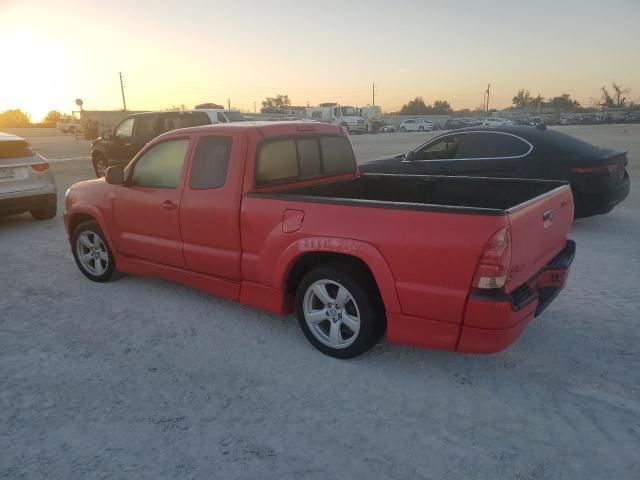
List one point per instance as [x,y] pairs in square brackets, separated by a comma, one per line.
[289,159]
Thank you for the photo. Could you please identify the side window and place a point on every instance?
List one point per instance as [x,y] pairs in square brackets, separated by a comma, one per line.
[304,158]
[337,156]
[145,127]
[210,163]
[125,129]
[491,145]
[440,149]
[277,161]
[309,155]
[200,118]
[161,165]
[222,118]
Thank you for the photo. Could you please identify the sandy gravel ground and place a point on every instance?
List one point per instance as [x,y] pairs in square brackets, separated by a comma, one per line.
[144,379]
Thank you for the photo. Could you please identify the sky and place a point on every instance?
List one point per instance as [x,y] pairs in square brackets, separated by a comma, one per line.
[194,51]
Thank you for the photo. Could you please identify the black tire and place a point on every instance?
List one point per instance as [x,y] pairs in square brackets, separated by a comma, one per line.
[92,227]
[363,290]
[100,164]
[421,129]
[45,212]
[403,129]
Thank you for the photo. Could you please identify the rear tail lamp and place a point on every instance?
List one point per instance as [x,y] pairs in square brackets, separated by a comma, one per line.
[495,261]
[40,167]
[599,170]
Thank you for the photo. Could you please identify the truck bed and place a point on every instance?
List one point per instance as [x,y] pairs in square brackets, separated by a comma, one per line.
[487,196]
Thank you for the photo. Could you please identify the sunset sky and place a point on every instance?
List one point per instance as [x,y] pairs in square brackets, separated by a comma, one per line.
[195,51]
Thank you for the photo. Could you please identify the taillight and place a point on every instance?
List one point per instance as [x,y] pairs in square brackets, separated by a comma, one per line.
[40,167]
[599,170]
[495,261]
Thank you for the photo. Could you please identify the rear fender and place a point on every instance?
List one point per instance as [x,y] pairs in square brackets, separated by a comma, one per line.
[345,246]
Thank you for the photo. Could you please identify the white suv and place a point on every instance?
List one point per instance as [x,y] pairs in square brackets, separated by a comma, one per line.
[26,182]
[415,125]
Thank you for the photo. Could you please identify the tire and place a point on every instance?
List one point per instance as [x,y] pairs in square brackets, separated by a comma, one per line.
[421,129]
[403,130]
[45,212]
[88,240]
[323,320]
[100,164]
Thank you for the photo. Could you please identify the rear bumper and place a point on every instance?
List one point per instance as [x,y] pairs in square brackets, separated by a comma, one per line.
[494,320]
[598,203]
[20,202]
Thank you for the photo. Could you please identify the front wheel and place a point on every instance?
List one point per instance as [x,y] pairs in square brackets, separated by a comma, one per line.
[403,129]
[100,164]
[92,253]
[339,310]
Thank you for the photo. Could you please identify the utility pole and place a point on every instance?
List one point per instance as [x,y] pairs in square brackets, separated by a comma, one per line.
[254,107]
[228,104]
[124,102]
[373,95]
[488,91]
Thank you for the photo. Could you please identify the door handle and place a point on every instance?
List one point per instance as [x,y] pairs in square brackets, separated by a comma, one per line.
[169,205]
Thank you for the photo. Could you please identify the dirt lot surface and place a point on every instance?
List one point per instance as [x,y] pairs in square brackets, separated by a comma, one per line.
[141,378]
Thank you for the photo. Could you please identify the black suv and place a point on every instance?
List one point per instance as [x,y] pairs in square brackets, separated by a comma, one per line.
[135,131]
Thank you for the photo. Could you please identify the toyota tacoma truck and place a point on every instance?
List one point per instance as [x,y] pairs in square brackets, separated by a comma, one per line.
[277,216]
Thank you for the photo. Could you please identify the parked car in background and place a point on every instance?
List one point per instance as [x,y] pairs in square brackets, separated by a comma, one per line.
[497,122]
[134,131]
[26,183]
[415,125]
[276,215]
[598,176]
[69,125]
[388,128]
[428,124]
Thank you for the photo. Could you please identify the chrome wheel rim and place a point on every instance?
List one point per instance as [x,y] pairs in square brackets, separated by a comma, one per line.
[331,313]
[100,167]
[92,253]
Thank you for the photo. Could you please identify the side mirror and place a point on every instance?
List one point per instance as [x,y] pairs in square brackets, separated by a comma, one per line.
[114,175]
[107,135]
[410,156]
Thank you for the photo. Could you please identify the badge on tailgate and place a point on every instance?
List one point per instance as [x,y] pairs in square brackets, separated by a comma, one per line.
[547,218]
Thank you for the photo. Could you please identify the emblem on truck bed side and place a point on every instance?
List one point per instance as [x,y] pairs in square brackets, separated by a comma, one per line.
[547,218]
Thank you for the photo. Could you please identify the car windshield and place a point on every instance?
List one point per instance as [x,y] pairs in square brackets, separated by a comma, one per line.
[348,111]
[235,116]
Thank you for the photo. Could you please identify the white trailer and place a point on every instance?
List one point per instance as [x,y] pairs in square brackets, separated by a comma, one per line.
[342,115]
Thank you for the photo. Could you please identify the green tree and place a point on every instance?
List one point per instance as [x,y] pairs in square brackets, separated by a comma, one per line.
[52,117]
[415,107]
[522,99]
[276,104]
[563,103]
[441,107]
[14,118]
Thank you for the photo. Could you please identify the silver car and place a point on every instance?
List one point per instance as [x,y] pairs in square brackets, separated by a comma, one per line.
[26,182]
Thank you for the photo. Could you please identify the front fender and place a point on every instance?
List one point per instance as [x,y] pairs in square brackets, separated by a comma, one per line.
[96,213]
[346,246]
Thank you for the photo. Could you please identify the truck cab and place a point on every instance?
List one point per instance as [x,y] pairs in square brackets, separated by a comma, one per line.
[345,116]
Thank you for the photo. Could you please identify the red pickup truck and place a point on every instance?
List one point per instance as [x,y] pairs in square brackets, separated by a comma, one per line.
[276,215]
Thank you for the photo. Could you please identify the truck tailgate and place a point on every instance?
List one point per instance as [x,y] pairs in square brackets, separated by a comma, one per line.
[539,230]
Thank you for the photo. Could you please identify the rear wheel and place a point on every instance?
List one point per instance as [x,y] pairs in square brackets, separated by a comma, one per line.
[92,253]
[421,129]
[403,129]
[339,310]
[99,164]
[45,212]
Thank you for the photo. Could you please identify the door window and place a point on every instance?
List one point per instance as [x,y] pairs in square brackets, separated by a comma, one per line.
[443,148]
[491,145]
[210,163]
[125,129]
[221,117]
[145,127]
[161,165]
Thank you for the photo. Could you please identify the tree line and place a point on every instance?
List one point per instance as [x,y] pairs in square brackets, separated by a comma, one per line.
[18,118]
[616,98]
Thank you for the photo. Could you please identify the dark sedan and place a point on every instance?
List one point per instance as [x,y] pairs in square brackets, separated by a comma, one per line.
[598,176]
